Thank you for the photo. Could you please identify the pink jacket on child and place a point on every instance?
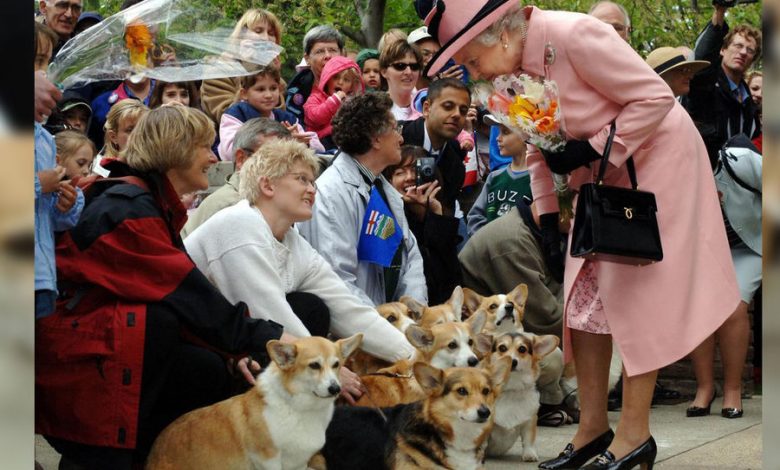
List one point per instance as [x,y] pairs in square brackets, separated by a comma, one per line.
[320,108]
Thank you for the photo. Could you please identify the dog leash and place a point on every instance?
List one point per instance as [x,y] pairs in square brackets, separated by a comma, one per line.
[373,404]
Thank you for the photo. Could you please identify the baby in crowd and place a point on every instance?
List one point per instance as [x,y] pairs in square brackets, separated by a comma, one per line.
[259,97]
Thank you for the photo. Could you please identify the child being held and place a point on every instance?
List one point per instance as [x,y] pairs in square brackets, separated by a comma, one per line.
[504,187]
[75,153]
[340,78]
[259,97]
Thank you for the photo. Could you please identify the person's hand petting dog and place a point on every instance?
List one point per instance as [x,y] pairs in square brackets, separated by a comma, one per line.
[248,367]
[351,386]
[575,154]
[551,245]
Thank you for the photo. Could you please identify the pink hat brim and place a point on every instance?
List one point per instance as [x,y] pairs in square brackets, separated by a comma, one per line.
[464,37]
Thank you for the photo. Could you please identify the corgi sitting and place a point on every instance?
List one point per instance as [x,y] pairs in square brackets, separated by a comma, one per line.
[449,311]
[505,311]
[280,423]
[447,429]
[397,314]
[517,407]
[443,345]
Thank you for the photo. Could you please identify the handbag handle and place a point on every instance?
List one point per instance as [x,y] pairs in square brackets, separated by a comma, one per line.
[605,160]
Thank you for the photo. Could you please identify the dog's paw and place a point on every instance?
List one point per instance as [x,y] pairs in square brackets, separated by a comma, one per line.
[529,455]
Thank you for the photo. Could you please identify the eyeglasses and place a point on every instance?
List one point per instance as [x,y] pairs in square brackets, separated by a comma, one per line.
[325,50]
[62,7]
[620,27]
[304,180]
[738,46]
[401,66]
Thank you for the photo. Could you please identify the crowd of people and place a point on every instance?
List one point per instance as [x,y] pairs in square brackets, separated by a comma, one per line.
[155,293]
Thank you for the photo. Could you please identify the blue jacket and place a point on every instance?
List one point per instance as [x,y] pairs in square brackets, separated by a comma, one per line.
[48,219]
[244,111]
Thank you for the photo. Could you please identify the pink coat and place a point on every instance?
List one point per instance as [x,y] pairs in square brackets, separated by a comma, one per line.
[661,312]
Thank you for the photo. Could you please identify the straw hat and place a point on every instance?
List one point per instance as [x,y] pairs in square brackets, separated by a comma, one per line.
[454,23]
[666,59]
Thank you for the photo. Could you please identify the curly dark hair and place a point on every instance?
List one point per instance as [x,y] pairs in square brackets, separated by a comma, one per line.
[361,118]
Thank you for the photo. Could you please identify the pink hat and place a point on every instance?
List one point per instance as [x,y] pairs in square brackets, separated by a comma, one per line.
[454,23]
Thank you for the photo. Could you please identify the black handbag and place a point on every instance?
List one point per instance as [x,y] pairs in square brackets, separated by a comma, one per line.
[616,224]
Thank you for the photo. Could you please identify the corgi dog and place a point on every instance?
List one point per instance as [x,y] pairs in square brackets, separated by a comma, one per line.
[518,404]
[448,429]
[278,424]
[443,345]
[449,311]
[505,311]
[397,314]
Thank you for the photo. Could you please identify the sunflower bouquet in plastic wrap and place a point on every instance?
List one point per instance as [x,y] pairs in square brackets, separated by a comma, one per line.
[169,40]
[531,107]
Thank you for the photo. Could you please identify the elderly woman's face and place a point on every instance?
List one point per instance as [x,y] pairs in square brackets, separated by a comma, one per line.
[294,193]
[488,62]
[195,177]
[400,76]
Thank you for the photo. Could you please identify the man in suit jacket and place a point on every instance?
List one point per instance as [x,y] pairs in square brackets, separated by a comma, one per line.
[444,117]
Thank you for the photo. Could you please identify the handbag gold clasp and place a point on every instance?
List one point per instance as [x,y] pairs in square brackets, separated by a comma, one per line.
[629,212]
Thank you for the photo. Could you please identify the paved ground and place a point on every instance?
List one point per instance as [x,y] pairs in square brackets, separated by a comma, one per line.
[684,443]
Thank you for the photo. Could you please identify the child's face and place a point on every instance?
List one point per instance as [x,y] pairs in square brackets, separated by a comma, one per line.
[77,118]
[510,143]
[44,55]
[119,137]
[371,76]
[79,163]
[342,81]
[263,95]
[175,93]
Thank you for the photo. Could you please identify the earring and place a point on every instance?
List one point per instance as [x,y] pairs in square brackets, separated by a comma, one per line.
[506,45]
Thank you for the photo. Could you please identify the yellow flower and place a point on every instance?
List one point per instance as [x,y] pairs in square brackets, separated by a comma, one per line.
[138,40]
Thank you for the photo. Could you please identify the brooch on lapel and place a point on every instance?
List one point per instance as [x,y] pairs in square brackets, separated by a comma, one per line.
[549,54]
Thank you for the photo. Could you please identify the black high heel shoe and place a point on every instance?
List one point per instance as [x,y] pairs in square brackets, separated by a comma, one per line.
[571,458]
[644,456]
[731,413]
[696,411]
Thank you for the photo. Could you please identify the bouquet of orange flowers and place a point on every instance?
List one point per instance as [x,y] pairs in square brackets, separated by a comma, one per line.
[531,107]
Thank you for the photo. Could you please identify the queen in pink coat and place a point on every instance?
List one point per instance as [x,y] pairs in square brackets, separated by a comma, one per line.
[656,314]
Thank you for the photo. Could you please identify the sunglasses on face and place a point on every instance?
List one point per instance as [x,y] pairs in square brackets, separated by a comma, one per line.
[401,66]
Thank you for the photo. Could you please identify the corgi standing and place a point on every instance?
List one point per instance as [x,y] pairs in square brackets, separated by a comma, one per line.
[278,424]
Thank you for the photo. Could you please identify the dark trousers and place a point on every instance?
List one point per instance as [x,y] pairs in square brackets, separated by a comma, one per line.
[177,377]
[312,311]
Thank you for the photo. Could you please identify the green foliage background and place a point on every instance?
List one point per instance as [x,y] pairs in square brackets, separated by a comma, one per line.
[655,23]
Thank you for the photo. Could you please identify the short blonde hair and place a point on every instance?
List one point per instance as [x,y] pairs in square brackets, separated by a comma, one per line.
[254,15]
[129,108]
[273,160]
[68,142]
[166,138]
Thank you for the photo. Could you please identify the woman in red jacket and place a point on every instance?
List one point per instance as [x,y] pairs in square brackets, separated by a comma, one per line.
[139,335]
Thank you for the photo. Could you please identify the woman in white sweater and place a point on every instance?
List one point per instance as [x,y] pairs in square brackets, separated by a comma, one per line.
[252,253]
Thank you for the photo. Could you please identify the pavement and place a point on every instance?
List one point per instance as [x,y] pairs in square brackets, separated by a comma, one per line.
[709,442]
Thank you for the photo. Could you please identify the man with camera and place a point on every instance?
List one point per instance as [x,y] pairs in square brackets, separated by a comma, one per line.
[719,101]
[444,117]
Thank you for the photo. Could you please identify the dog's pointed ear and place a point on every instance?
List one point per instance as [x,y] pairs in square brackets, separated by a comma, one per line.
[347,346]
[283,354]
[477,322]
[545,344]
[430,378]
[421,338]
[471,301]
[456,302]
[519,295]
[483,345]
[499,370]
[413,305]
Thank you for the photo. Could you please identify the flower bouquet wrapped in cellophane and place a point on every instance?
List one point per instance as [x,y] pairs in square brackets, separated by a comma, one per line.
[169,40]
[531,107]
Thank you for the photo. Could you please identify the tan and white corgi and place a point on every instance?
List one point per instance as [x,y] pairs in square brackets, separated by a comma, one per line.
[449,311]
[397,314]
[444,345]
[505,311]
[280,423]
[448,429]
[518,404]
